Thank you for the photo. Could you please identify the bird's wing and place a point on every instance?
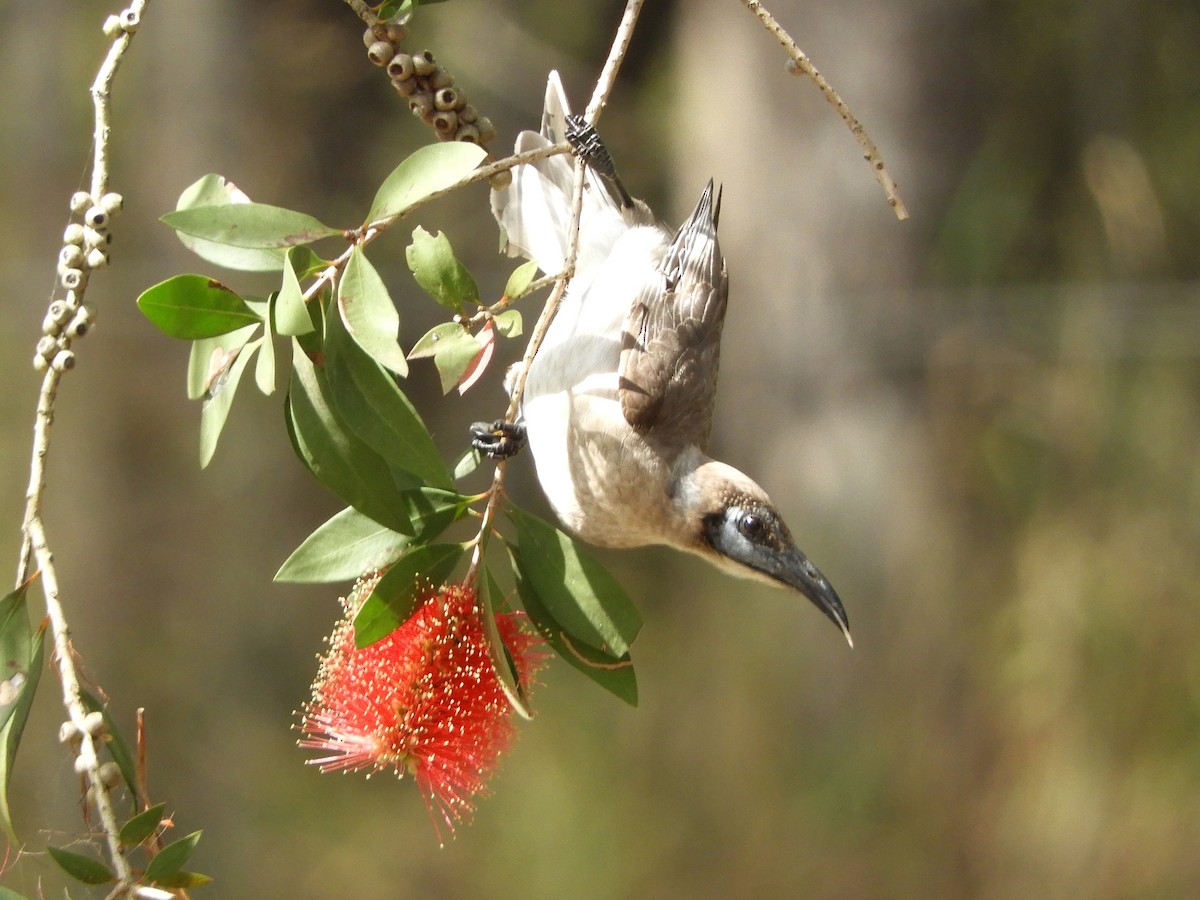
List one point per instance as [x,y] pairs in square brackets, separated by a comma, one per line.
[534,210]
[672,341]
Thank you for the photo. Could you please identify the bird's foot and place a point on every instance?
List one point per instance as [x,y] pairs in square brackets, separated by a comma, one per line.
[588,145]
[499,439]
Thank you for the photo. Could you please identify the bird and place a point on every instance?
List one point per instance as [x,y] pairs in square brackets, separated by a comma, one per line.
[618,401]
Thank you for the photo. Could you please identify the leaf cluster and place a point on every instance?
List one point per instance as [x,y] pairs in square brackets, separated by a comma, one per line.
[353,427]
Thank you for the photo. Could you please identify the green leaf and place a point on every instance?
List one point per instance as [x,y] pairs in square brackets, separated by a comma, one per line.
[264,369]
[217,400]
[502,662]
[291,315]
[452,348]
[194,306]
[211,357]
[81,868]
[576,590]
[429,169]
[402,10]
[182,879]
[213,190]
[367,398]
[23,650]
[438,271]
[369,314]
[171,858]
[394,597]
[117,748]
[432,510]
[439,337]
[334,454]
[10,894]
[466,463]
[478,364]
[251,225]
[142,826]
[508,323]
[343,548]
[614,674]
[520,279]
[16,651]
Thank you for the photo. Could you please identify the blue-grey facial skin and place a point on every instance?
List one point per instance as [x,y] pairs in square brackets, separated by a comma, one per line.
[755,537]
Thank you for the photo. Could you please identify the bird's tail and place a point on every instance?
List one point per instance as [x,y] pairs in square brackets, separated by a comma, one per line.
[694,254]
[534,210]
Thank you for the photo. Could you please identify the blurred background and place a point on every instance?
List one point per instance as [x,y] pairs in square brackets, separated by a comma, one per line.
[981,424]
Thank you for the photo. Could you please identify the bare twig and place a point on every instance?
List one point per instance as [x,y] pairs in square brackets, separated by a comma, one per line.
[363,11]
[372,230]
[800,64]
[35,546]
[620,46]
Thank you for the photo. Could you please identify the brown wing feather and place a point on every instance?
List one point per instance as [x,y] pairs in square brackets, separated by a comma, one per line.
[672,341]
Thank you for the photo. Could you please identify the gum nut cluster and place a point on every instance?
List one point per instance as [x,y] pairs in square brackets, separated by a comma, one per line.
[428,88]
[85,247]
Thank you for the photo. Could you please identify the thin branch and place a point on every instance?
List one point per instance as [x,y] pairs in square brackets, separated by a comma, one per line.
[363,11]
[620,46]
[372,230]
[800,64]
[35,546]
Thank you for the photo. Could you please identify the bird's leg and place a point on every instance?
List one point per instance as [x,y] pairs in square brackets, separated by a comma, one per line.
[588,145]
[499,439]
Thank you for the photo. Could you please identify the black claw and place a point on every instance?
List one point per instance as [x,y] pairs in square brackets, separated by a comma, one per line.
[591,149]
[499,439]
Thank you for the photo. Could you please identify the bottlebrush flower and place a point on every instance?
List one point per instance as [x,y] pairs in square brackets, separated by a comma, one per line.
[423,700]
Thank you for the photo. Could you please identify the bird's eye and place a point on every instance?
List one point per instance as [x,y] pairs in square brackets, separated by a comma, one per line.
[752,526]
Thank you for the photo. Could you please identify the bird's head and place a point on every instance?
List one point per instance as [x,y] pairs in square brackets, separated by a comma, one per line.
[734,525]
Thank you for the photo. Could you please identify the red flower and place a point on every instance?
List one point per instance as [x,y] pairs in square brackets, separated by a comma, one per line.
[424,700]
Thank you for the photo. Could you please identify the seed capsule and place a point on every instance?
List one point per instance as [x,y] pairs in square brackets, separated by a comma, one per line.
[93,723]
[130,20]
[447,98]
[58,312]
[112,203]
[94,238]
[468,133]
[81,201]
[110,774]
[407,87]
[68,731]
[380,52]
[396,33]
[487,131]
[71,278]
[73,234]
[423,63]
[71,256]
[96,218]
[63,361]
[440,79]
[400,67]
[81,323]
[445,123]
[96,258]
[421,104]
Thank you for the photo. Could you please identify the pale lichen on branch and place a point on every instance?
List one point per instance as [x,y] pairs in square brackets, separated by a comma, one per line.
[84,250]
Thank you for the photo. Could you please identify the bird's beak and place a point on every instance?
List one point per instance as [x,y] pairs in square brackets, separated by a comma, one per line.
[795,570]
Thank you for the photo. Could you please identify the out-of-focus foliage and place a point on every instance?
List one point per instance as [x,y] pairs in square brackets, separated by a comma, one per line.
[982,423]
